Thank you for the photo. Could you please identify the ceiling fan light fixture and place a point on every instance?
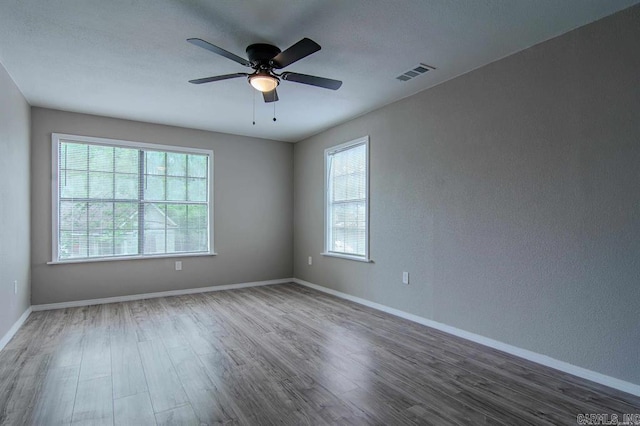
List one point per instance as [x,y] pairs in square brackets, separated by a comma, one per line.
[263,82]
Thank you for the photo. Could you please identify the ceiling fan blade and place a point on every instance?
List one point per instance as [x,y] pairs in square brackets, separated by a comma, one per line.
[271,96]
[312,80]
[301,49]
[218,78]
[218,50]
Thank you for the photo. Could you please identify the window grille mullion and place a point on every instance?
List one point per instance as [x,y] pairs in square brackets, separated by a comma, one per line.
[88,186]
[141,188]
[166,188]
[113,214]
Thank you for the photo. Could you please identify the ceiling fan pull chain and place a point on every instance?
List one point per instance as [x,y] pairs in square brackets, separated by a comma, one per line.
[274,111]
[254,107]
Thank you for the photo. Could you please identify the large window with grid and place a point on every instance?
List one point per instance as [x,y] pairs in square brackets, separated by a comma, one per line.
[120,199]
[347,200]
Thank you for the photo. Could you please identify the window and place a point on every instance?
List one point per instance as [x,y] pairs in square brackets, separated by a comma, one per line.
[347,200]
[120,199]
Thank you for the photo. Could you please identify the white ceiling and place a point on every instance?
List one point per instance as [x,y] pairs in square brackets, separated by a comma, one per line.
[129,58]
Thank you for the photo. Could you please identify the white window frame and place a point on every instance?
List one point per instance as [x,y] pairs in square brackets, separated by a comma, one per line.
[327,152]
[56,138]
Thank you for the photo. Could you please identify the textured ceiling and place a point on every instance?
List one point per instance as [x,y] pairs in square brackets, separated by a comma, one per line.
[129,58]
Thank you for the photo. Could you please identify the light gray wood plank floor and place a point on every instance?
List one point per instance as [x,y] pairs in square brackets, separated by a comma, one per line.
[281,354]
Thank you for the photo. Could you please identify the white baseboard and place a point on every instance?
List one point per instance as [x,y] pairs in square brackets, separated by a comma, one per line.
[545,360]
[14,328]
[76,303]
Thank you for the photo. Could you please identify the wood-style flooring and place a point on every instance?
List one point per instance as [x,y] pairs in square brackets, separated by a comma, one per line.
[281,354]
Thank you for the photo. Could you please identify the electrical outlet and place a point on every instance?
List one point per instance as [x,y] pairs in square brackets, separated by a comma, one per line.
[15,287]
[178,265]
[310,261]
[405,278]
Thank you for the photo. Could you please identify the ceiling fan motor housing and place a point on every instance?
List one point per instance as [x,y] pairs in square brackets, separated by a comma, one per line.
[260,54]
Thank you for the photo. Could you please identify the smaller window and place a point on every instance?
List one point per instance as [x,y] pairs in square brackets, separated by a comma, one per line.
[347,200]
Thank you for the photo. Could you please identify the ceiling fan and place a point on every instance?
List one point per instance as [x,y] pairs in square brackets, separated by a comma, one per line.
[264,59]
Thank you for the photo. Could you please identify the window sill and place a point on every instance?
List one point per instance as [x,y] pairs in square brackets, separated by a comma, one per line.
[348,257]
[114,259]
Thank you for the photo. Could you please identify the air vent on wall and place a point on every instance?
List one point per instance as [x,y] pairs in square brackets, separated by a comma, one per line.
[420,69]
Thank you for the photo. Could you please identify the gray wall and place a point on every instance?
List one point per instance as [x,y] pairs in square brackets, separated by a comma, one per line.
[14,202]
[253,210]
[512,196]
